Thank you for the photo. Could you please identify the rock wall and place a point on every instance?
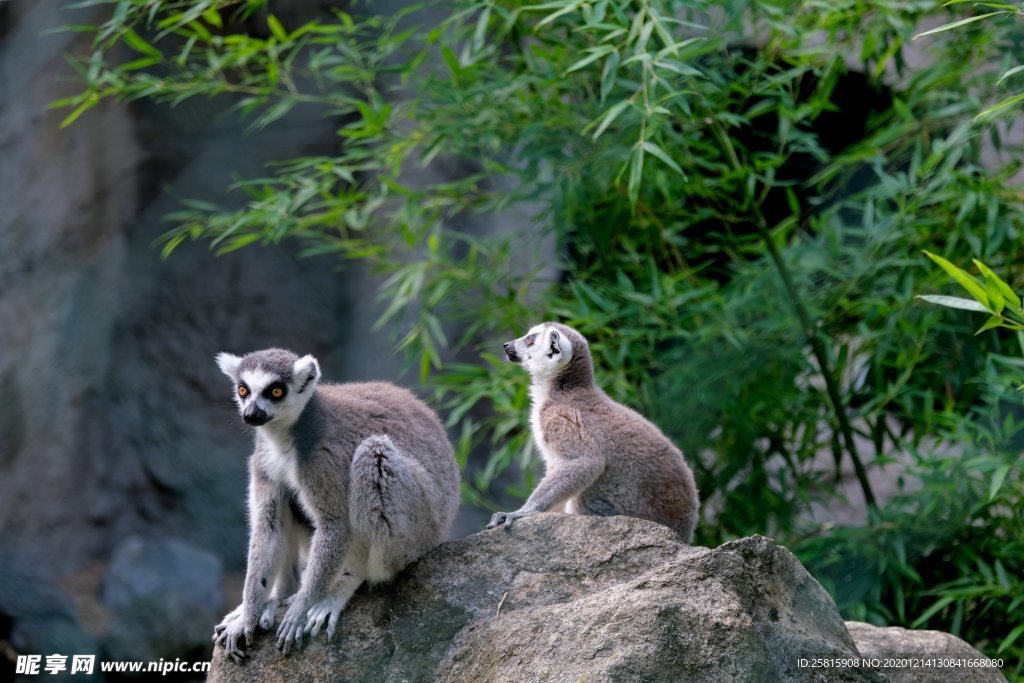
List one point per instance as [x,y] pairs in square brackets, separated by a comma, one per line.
[116,420]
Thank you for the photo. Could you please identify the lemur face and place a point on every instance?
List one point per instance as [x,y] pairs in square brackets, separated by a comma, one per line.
[543,351]
[272,386]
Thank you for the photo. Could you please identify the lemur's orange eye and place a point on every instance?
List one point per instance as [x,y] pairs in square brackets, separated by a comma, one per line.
[243,391]
[275,392]
[531,340]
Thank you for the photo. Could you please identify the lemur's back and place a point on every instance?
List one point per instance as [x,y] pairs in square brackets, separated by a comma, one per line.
[371,408]
[652,480]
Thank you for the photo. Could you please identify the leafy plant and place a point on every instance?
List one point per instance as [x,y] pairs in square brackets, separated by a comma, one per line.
[947,553]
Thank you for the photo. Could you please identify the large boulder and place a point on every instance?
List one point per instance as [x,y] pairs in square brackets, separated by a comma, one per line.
[571,598]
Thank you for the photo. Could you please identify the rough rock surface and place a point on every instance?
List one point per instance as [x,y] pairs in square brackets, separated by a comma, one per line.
[903,644]
[572,598]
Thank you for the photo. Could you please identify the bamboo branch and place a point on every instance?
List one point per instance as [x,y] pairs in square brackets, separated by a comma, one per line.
[810,331]
[818,349]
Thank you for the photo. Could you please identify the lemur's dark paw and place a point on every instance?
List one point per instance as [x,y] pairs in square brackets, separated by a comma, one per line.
[505,519]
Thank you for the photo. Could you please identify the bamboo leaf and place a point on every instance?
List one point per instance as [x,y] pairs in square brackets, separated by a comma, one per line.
[966,281]
[956,24]
[609,74]
[137,43]
[1007,292]
[237,242]
[276,28]
[636,170]
[997,481]
[677,67]
[172,244]
[657,151]
[1010,638]
[480,33]
[994,294]
[1002,105]
[595,54]
[137,64]
[991,323]
[212,17]
[609,117]
[931,611]
[571,7]
[88,103]
[1011,72]
[1004,577]
[451,61]
[954,302]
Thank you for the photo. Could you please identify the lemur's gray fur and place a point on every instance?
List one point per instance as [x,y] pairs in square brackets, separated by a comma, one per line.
[602,458]
[359,477]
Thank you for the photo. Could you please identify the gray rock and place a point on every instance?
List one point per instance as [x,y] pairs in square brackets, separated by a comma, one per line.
[902,644]
[569,598]
[164,597]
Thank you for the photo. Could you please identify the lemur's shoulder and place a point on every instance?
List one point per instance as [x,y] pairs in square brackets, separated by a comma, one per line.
[567,427]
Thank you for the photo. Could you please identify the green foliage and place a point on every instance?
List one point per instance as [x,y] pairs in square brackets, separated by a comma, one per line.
[1004,10]
[947,553]
[736,225]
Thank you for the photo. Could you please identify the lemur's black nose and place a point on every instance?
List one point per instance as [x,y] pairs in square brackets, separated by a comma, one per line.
[255,416]
[510,351]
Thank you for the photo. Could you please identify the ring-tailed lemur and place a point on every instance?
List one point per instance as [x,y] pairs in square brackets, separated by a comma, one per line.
[363,474]
[602,458]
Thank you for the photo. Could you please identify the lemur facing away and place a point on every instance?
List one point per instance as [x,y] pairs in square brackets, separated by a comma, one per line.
[359,477]
[602,458]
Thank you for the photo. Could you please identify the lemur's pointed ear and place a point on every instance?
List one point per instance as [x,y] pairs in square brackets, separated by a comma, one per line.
[561,343]
[228,364]
[306,371]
